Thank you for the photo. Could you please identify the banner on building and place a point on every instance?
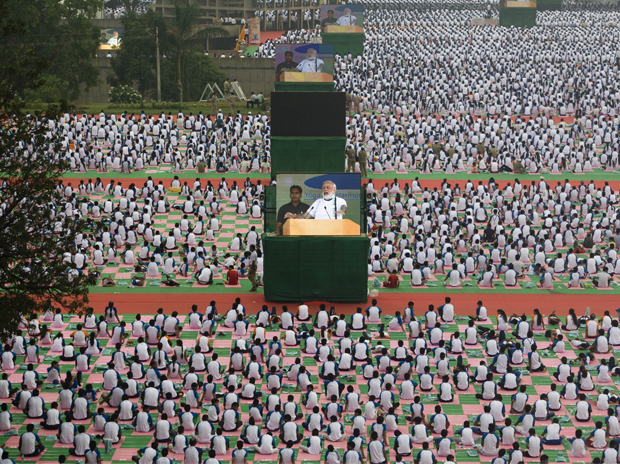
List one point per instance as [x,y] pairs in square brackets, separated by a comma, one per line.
[254,31]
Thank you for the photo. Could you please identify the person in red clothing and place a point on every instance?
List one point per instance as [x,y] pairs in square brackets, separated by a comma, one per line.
[232,276]
[392,281]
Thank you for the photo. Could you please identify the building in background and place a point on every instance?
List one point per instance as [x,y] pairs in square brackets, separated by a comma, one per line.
[275,15]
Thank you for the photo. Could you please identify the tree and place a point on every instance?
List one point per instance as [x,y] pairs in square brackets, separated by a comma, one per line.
[198,69]
[35,226]
[134,64]
[183,33]
[42,39]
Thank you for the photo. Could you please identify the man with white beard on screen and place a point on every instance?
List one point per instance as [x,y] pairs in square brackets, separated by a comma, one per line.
[328,207]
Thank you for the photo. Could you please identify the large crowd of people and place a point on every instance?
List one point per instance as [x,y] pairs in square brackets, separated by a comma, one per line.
[427,78]
[125,229]
[479,231]
[317,386]
[535,232]
[430,94]
[128,143]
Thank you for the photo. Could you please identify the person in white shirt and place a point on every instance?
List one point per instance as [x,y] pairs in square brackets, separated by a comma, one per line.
[115,41]
[330,206]
[601,280]
[148,455]
[35,407]
[266,445]
[551,433]
[29,443]
[446,311]
[577,445]
[613,333]
[584,409]
[598,438]
[5,418]
[467,435]
[534,445]
[489,444]
[347,19]
[112,430]
[377,454]
[312,63]
[204,276]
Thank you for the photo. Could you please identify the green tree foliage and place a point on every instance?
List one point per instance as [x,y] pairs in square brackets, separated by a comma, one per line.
[35,225]
[52,89]
[197,64]
[185,69]
[183,32]
[134,63]
[45,45]
[45,40]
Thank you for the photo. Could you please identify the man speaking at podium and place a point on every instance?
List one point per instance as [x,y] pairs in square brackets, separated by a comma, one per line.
[347,19]
[312,63]
[328,207]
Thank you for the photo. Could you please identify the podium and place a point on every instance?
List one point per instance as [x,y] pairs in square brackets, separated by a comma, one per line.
[305,82]
[306,77]
[518,4]
[335,28]
[305,227]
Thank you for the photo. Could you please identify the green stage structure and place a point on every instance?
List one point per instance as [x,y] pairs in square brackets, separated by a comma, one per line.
[345,43]
[312,140]
[270,217]
[548,5]
[304,87]
[307,154]
[325,268]
[519,14]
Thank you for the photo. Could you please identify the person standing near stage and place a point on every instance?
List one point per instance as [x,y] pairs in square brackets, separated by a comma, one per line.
[357,103]
[251,262]
[347,19]
[363,155]
[232,98]
[214,104]
[348,102]
[329,20]
[350,158]
[287,65]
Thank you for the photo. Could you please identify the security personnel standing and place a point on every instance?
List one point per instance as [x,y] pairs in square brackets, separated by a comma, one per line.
[214,104]
[232,98]
[363,155]
[350,158]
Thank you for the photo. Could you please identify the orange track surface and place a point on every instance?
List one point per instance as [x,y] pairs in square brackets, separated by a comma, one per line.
[465,303]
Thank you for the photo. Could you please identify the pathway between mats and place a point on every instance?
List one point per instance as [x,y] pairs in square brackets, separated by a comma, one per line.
[465,303]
